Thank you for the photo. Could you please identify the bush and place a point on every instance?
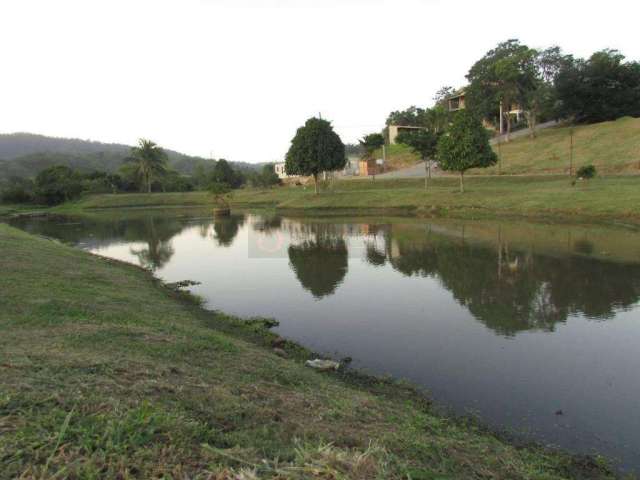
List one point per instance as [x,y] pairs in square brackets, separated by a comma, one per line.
[586,172]
[17,190]
[58,184]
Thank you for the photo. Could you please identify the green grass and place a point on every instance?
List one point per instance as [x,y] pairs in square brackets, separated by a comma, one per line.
[11,209]
[106,373]
[601,199]
[613,147]
[398,156]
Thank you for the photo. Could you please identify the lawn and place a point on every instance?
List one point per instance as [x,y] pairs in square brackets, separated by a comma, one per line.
[613,147]
[610,199]
[106,373]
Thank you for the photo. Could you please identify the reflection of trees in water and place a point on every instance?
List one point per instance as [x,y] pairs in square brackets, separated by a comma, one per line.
[267,224]
[225,229]
[320,261]
[374,255]
[512,291]
[157,233]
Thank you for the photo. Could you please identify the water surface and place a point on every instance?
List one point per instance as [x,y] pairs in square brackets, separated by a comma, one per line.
[512,321]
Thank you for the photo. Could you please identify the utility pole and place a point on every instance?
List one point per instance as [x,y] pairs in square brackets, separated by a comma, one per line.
[501,115]
[499,157]
[571,151]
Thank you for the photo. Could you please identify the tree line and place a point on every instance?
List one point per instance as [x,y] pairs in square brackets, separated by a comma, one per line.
[145,169]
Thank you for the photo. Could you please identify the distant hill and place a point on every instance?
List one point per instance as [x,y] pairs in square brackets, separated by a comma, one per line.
[25,154]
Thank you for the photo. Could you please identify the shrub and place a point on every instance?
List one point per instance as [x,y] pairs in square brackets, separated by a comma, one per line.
[57,184]
[17,190]
[586,172]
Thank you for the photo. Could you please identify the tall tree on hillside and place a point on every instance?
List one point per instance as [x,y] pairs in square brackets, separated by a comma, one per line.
[150,161]
[423,143]
[315,148]
[370,143]
[503,76]
[601,88]
[443,94]
[541,98]
[436,119]
[225,174]
[411,117]
[465,145]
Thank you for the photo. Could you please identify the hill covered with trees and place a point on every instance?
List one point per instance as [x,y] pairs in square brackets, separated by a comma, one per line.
[26,154]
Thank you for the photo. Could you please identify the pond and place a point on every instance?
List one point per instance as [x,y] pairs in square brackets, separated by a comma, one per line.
[533,327]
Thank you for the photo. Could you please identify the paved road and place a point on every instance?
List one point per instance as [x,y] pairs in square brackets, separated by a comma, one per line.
[418,170]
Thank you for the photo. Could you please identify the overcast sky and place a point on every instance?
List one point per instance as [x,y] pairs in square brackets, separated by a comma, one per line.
[235,78]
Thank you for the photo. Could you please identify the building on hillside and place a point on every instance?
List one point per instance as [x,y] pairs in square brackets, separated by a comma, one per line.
[457,101]
[351,167]
[369,166]
[395,130]
[281,172]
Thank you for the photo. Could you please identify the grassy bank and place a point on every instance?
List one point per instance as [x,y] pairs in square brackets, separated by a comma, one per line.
[613,147]
[600,199]
[105,373]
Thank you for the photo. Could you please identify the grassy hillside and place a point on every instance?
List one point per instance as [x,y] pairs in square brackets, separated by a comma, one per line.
[613,147]
[602,199]
[107,374]
[398,156]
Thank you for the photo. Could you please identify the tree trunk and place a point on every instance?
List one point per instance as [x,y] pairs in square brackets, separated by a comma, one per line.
[315,182]
[508,137]
[148,183]
[461,181]
[531,120]
[427,174]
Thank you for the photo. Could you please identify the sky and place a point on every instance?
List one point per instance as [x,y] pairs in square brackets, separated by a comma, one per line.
[235,78]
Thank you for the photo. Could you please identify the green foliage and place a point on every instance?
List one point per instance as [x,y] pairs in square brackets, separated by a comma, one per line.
[173,181]
[411,117]
[371,142]
[441,96]
[150,162]
[353,149]
[221,192]
[422,142]
[465,145]
[586,172]
[604,87]
[224,173]
[265,178]
[505,74]
[57,184]
[435,119]
[315,148]
[17,190]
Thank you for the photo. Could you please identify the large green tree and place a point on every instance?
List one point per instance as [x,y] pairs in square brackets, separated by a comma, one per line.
[504,76]
[465,145]
[315,148]
[371,142]
[149,160]
[603,87]
[423,143]
[57,184]
[223,172]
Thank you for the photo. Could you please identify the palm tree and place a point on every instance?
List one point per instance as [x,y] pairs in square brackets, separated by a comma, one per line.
[150,160]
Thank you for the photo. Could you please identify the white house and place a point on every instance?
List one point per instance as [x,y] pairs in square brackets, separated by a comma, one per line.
[281,172]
